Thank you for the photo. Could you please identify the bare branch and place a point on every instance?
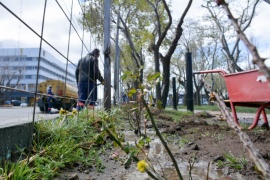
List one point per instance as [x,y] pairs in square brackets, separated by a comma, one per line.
[259,161]
[253,50]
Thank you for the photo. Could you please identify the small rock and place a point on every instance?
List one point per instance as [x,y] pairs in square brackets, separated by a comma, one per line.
[218,158]
[86,171]
[73,176]
[195,147]
[90,178]
[190,146]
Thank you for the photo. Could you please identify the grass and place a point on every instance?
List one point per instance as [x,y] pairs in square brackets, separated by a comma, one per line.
[59,144]
[215,108]
[179,141]
[233,162]
[178,115]
[62,143]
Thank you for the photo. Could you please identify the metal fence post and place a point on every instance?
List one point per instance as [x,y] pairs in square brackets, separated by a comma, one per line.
[190,106]
[107,60]
[174,94]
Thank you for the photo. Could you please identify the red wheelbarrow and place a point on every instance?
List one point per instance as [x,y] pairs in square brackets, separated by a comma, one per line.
[248,89]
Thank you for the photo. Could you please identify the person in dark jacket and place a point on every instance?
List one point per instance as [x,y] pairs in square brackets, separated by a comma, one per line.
[49,99]
[87,73]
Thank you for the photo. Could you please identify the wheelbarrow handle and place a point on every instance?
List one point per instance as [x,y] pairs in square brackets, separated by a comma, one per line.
[220,71]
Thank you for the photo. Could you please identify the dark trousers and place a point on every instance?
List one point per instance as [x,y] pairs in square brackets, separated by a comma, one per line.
[84,89]
[49,100]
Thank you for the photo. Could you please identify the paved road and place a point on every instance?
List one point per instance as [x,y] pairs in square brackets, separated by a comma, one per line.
[11,116]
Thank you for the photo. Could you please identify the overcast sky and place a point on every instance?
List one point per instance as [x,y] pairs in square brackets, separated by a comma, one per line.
[13,34]
[56,27]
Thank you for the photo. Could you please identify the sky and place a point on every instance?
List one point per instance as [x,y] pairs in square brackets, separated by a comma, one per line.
[14,34]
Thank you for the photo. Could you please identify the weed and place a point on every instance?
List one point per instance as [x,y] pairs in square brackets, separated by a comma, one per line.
[205,134]
[218,136]
[183,141]
[204,114]
[17,171]
[233,162]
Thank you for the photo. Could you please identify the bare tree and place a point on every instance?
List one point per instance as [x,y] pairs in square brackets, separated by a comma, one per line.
[202,41]
[228,38]
[11,73]
[160,37]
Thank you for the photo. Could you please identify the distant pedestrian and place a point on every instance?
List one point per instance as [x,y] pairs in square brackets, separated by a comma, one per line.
[87,73]
[49,99]
[124,98]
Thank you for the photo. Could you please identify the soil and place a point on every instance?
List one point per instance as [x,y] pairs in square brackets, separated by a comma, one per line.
[208,139]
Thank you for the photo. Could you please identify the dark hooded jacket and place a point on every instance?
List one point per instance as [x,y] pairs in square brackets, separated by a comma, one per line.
[87,69]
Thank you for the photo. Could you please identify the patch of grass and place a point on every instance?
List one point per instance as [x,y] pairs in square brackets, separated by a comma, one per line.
[17,171]
[193,130]
[203,107]
[215,108]
[233,162]
[63,143]
[180,141]
[183,141]
[218,136]
[206,134]
[179,116]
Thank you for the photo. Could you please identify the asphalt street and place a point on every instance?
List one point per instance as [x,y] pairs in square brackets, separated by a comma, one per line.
[15,115]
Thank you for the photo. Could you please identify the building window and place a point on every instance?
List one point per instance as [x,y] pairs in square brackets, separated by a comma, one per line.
[31,87]
[21,86]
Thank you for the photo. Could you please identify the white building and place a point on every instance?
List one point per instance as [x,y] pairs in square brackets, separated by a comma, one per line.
[22,63]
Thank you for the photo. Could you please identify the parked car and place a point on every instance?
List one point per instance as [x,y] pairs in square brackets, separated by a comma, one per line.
[7,103]
[15,102]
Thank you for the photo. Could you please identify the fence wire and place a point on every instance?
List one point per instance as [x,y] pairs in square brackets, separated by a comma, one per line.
[51,26]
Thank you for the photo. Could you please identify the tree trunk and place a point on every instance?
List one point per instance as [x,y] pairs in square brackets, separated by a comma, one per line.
[165,82]
[158,89]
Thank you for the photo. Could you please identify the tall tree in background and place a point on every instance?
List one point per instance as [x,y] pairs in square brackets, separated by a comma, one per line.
[161,40]
[10,76]
[201,40]
[134,21]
